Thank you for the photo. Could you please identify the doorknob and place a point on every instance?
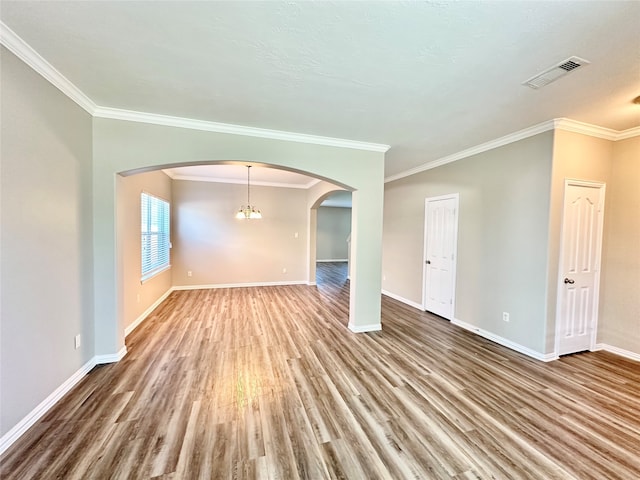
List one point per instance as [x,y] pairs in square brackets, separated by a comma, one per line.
[428,262]
[568,280]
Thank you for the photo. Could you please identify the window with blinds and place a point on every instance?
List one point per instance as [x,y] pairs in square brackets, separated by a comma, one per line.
[155,235]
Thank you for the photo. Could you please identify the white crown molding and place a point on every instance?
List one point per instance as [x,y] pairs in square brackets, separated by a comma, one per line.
[565,124]
[196,178]
[569,125]
[180,122]
[629,133]
[483,147]
[28,55]
[574,126]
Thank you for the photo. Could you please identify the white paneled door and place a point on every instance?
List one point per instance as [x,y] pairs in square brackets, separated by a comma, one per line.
[579,266]
[441,235]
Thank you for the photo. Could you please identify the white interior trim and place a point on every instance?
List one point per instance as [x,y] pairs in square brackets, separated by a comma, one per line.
[595,131]
[569,125]
[483,147]
[239,285]
[618,351]
[333,260]
[181,122]
[146,313]
[43,407]
[28,55]
[32,417]
[406,301]
[556,124]
[112,357]
[374,327]
[195,178]
[629,133]
[505,342]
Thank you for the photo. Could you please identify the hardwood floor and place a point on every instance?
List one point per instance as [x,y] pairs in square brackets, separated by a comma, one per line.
[269,383]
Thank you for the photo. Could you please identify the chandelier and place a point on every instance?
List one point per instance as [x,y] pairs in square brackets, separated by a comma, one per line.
[249,211]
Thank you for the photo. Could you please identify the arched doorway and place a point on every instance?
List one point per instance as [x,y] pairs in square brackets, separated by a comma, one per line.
[121,146]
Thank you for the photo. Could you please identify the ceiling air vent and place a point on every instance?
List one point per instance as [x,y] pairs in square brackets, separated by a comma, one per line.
[555,72]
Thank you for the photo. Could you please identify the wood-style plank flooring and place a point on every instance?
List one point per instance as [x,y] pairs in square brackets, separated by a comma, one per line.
[269,383]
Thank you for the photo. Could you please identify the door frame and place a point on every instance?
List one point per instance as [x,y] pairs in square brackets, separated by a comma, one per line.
[456,197]
[560,284]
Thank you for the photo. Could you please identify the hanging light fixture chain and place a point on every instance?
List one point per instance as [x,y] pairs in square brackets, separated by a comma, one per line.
[248,211]
[248,187]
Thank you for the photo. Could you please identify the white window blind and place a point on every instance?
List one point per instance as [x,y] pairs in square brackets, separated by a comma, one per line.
[155,235]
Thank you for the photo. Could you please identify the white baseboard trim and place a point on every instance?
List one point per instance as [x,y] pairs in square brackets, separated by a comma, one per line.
[403,300]
[333,260]
[238,285]
[32,417]
[618,351]
[311,284]
[374,327]
[505,342]
[146,313]
[111,357]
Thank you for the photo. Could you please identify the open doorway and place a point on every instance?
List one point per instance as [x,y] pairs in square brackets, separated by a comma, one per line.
[333,237]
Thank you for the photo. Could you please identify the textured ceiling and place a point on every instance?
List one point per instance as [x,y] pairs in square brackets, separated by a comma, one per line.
[429,79]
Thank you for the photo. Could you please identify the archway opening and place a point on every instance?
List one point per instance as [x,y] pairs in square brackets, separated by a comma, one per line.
[210,247]
[122,148]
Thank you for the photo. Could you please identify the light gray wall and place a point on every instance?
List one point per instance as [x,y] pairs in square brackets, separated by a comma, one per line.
[219,249]
[120,146]
[333,227]
[46,273]
[619,323]
[502,237]
[137,297]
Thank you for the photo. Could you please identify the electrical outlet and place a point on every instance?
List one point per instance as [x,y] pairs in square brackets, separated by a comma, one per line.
[138,298]
[295,235]
[284,270]
[189,273]
[505,316]
[77,341]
